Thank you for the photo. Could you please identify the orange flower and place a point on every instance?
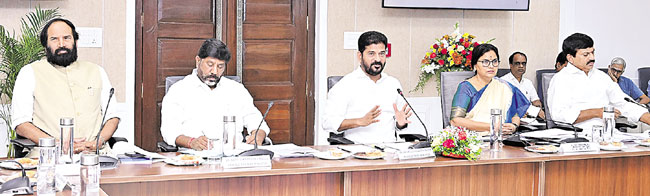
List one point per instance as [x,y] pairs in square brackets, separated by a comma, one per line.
[457,58]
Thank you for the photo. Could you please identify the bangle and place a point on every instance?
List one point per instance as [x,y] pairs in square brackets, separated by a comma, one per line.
[189,144]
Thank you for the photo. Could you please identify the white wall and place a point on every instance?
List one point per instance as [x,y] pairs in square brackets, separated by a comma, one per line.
[619,28]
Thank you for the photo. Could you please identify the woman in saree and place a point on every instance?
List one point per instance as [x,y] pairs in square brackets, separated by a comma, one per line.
[476,96]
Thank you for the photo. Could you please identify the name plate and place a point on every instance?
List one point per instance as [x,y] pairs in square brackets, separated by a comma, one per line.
[244,162]
[580,147]
[415,154]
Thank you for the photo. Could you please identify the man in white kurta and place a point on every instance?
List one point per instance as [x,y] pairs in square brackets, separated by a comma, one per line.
[195,106]
[518,63]
[61,86]
[364,104]
[578,93]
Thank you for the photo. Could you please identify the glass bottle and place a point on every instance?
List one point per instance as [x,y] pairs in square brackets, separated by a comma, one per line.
[610,123]
[89,174]
[46,167]
[66,140]
[229,135]
[496,126]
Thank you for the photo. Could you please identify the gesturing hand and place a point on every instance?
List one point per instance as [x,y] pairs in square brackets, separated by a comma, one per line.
[401,116]
[369,118]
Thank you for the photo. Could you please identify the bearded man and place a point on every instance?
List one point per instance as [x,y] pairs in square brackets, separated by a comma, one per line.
[195,106]
[61,86]
[364,103]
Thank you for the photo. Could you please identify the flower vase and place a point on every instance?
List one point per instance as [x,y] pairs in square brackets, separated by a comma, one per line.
[453,155]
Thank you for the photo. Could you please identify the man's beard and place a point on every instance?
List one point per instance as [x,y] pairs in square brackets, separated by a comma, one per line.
[206,79]
[370,71]
[62,59]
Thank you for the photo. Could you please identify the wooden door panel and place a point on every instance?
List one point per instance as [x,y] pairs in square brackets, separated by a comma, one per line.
[271,31]
[185,30]
[267,61]
[278,118]
[268,13]
[189,11]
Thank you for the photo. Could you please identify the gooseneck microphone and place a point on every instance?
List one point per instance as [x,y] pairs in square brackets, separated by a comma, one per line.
[256,151]
[105,162]
[634,102]
[110,95]
[422,144]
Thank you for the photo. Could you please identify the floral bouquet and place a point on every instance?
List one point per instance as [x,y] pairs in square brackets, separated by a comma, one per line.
[449,53]
[457,142]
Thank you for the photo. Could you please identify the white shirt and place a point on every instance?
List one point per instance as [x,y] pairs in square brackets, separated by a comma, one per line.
[192,109]
[526,87]
[354,96]
[22,102]
[571,90]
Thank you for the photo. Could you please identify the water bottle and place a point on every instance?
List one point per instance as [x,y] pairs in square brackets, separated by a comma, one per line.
[66,140]
[610,123]
[229,135]
[89,174]
[46,167]
[496,125]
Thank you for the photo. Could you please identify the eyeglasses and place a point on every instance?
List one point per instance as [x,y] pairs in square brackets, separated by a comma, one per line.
[487,63]
[616,71]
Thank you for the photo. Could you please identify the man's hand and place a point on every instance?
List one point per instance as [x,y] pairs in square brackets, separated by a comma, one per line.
[80,145]
[509,128]
[541,114]
[401,116]
[261,134]
[200,143]
[369,118]
[611,75]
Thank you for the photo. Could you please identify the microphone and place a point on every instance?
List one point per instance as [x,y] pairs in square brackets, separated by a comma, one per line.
[18,185]
[570,127]
[422,144]
[628,99]
[256,151]
[105,162]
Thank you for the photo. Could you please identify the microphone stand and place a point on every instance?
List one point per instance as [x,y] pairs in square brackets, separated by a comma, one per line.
[105,162]
[18,185]
[422,144]
[575,139]
[256,151]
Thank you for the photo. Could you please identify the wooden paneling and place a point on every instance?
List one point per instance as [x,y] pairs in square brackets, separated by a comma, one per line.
[268,61]
[598,176]
[186,30]
[325,184]
[497,179]
[280,13]
[190,11]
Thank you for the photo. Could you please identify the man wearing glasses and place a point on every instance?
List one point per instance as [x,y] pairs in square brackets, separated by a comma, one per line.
[518,61]
[195,106]
[364,104]
[615,71]
[578,93]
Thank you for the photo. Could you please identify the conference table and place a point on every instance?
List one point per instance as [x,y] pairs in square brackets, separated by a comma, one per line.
[512,171]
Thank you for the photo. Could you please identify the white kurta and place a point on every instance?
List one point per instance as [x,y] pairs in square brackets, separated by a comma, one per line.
[354,96]
[525,86]
[571,90]
[192,109]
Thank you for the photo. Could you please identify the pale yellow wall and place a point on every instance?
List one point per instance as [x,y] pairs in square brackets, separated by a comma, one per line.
[412,31]
[107,14]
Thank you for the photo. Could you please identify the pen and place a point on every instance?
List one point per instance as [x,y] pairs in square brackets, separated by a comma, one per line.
[344,150]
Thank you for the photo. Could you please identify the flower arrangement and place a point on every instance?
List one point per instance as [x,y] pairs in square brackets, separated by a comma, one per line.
[457,142]
[449,53]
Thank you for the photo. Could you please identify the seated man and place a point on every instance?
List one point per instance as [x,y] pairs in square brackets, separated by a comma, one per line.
[518,62]
[61,86]
[578,93]
[560,62]
[615,71]
[363,104]
[195,106]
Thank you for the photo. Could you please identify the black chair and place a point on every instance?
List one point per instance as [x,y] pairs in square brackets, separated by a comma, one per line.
[502,72]
[644,77]
[538,76]
[604,70]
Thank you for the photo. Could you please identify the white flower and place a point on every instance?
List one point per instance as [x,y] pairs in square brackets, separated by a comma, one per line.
[444,43]
[436,141]
[474,147]
[460,48]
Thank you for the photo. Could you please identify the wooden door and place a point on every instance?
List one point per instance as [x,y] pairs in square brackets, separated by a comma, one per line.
[276,58]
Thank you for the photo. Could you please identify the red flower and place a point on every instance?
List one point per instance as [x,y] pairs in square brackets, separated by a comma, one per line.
[462,135]
[467,150]
[466,44]
[463,52]
[476,44]
[461,40]
[433,55]
[449,143]
[435,46]
[441,62]
[444,51]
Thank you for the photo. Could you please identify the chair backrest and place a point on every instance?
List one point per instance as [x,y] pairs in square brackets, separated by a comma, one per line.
[538,76]
[546,81]
[644,77]
[332,80]
[170,80]
[502,72]
[603,70]
[448,85]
